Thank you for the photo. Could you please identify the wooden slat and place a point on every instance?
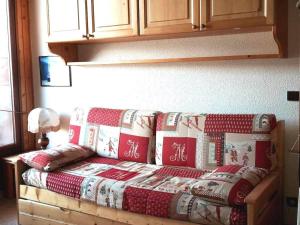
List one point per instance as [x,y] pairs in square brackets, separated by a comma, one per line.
[54,199]
[177,60]
[24,70]
[65,216]
[26,219]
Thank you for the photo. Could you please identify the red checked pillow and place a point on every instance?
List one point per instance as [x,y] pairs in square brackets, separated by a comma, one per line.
[113,133]
[228,185]
[56,157]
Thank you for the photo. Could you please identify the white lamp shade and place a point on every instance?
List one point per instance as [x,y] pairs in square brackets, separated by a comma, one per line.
[43,120]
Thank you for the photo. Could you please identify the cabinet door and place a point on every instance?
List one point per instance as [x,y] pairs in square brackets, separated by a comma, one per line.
[168,16]
[112,18]
[66,20]
[236,13]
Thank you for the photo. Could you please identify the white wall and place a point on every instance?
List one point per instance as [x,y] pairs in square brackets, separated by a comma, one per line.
[257,86]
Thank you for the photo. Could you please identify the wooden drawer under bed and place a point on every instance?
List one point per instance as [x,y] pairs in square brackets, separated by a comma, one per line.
[35,213]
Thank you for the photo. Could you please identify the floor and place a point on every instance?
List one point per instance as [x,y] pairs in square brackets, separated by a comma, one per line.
[8,212]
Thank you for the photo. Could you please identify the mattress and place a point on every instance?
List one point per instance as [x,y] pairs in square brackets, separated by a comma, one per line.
[136,187]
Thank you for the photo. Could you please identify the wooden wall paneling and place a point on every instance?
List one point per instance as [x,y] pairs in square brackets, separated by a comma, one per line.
[24,70]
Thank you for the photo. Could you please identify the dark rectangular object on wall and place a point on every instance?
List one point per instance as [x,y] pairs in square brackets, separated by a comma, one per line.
[293,96]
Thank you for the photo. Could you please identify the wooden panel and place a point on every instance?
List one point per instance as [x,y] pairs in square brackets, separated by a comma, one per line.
[24,71]
[236,8]
[114,18]
[54,199]
[111,13]
[25,219]
[58,215]
[167,10]
[223,14]
[168,16]
[66,20]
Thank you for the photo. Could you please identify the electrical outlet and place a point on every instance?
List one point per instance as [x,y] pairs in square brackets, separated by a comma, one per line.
[292,202]
[293,96]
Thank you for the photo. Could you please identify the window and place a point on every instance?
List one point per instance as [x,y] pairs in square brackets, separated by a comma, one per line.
[9,121]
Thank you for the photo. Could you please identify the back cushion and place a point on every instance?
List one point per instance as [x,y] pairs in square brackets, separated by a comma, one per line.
[119,134]
[208,141]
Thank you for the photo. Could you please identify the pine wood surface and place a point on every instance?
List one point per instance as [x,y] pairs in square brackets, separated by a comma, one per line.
[24,70]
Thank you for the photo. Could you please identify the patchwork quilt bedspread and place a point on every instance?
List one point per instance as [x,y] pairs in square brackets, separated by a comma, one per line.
[136,187]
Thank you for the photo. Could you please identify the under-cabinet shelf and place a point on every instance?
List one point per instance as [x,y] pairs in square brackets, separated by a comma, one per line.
[174,60]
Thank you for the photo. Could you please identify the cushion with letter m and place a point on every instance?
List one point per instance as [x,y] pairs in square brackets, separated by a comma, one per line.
[207,141]
[114,133]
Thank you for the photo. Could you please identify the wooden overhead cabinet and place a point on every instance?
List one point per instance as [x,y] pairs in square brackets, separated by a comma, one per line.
[66,20]
[113,18]
[224,14]
[168,16]
[80,20]
[72,23]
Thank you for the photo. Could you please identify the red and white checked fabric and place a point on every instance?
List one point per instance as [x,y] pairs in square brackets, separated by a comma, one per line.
[56,157]
[208,141]
[113,133]
[180,172]
[65,184]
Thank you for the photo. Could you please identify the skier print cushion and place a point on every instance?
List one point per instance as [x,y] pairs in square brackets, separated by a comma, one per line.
[114,133]
[206,141]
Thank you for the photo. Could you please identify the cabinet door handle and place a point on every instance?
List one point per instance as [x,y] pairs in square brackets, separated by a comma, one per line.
[203,26]
[194,27]
[85,36]
[91,35]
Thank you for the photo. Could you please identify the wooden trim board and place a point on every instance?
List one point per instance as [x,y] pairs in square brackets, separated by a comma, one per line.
[24,70]
[176,60]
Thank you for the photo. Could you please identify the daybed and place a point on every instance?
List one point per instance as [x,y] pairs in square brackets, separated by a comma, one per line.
[200,159]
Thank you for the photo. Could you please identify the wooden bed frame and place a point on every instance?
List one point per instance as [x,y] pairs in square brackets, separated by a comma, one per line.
[39,206]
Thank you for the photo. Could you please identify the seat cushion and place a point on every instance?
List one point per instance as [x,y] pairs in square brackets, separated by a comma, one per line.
[228,185]
[112,133]
[136,187]
[208,141]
